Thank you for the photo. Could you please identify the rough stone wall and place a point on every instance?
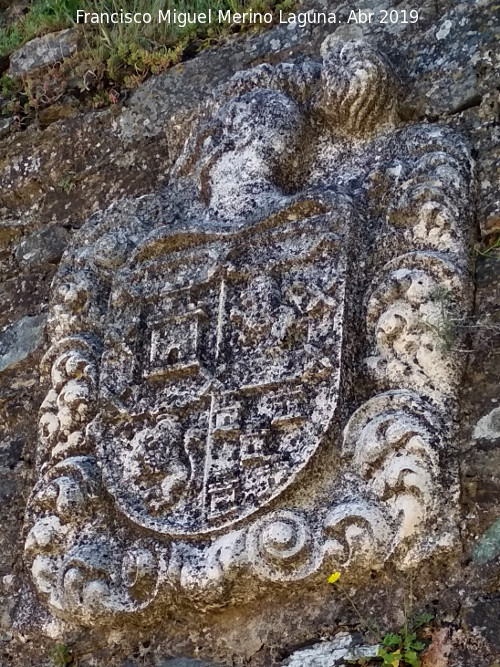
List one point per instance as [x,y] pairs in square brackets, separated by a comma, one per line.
[53,179]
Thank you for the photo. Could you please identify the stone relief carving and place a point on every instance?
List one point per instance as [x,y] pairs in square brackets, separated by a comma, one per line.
[246,372]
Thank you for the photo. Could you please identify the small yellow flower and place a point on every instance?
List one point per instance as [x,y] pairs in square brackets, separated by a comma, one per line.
[334,577]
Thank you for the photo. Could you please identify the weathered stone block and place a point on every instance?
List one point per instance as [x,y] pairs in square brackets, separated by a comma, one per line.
[44,247]
[251,380]
[19,340]
[43,51]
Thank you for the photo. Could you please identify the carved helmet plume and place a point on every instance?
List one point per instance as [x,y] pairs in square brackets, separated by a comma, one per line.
[358,89]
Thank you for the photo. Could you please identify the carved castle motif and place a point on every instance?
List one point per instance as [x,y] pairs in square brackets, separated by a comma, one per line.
[248,370]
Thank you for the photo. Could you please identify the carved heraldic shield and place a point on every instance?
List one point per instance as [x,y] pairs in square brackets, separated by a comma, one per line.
[247,375]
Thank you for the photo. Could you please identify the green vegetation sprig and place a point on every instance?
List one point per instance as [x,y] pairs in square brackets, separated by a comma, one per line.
[400,649]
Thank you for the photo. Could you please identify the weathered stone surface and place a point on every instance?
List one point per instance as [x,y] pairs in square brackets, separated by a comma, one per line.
[56,177]
[186,662]
[43,51]
[44,247]
[5,125]
[489,546]
[21,339]
[335,653]
[488,427]
[208,378]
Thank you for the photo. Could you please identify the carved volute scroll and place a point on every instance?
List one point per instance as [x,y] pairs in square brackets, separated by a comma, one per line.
[248,376]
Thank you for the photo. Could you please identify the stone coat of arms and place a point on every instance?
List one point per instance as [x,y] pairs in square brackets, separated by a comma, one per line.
[247,371]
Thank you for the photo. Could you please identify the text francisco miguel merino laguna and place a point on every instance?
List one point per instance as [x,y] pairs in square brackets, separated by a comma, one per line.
[182,19]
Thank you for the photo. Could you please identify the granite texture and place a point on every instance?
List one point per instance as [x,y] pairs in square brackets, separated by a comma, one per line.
[43,51]
[52,180]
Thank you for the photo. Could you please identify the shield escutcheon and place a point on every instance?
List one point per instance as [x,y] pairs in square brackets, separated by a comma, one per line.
[221,369]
